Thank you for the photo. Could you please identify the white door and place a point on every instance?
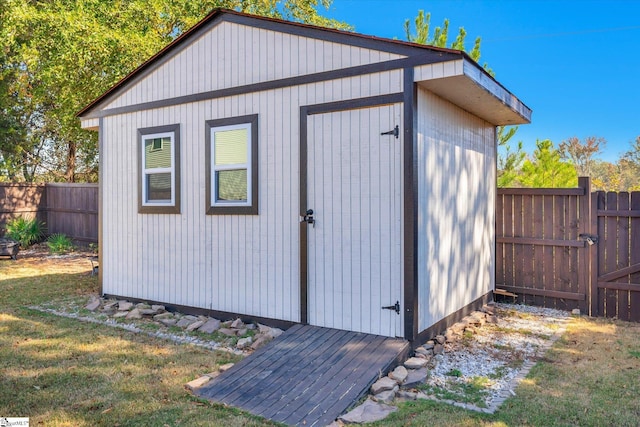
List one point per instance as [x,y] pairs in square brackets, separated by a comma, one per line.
[354,187]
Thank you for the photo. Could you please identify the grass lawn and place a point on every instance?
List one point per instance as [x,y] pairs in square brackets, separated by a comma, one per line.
[62,372]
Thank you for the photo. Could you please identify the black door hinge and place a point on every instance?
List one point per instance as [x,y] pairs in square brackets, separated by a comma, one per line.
[395,307]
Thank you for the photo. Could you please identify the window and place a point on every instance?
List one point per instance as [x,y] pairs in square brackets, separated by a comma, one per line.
[159,167]
[232,165]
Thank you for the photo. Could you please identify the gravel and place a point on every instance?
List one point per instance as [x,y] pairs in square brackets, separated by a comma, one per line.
[496,357]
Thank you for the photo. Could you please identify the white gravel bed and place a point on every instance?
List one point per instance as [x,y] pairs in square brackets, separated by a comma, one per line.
[496,357]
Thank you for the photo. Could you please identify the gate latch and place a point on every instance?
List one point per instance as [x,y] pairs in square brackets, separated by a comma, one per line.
[589,238]
[395,307]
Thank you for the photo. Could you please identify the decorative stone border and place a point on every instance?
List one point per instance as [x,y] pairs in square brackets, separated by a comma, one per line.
[400,384]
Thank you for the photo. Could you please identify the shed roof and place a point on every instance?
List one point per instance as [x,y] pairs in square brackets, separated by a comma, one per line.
[473,88]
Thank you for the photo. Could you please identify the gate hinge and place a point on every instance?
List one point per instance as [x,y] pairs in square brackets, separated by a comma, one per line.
[395,307]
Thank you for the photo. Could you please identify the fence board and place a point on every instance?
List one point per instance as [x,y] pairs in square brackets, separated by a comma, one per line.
[500,255]
[70,209]
[634,256]
[622,304]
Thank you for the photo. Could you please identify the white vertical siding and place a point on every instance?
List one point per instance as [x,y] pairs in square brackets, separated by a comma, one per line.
[232,55]
[456,198]
[355,248]
[245,264]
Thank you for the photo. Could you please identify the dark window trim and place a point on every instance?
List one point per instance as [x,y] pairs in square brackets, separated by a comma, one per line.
[252,120]
[175,208]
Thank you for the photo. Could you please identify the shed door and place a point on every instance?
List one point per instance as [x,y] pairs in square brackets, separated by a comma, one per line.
[354,246]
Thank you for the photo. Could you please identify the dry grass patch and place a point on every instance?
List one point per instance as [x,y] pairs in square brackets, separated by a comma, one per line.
[61,372]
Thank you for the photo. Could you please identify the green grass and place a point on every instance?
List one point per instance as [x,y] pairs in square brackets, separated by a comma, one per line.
[62,372]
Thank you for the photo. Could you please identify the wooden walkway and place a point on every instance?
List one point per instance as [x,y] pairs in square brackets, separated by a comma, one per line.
[307,376]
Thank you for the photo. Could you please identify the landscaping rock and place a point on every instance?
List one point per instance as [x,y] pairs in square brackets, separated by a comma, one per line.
[275,332]
[403,394]
[429,345]
[263,329]
[185,322]
[159,308]
[197,383]
[440,339]
[368,412]
[120,314]
[244,343]
[438,349]
[93,305]
[575,312]
[237,324]
[143,306]
[110,304]
[415,377]
[415,363]
[195,325]
[225,367]
[260,341]
[399,374]
[147,312]
[134,314]
[383,384]
[228,332]
[423,351]
[210,326]
[163,316]
[242,332]
[124,305]
[168,322]
[386,396]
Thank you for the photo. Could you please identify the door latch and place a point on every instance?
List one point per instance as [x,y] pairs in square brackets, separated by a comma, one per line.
[395,307]
[308,218]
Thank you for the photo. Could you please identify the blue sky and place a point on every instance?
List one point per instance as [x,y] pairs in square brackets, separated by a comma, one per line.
[576,64]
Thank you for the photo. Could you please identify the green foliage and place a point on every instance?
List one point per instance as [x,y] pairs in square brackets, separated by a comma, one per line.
[25,231]
[59,244]
[440,36]
[509,162]
[546,169]
[57,56]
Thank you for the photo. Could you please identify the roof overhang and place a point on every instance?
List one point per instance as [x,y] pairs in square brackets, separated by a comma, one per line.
[464,83]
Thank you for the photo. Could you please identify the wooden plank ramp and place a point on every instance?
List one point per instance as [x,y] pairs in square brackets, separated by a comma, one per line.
[308,376]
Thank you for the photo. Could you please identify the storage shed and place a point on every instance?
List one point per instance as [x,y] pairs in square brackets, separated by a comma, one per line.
[288,173]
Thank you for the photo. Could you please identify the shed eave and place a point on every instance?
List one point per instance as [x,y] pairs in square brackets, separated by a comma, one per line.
[472,89]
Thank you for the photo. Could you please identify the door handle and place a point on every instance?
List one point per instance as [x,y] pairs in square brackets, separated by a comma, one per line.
[308,218]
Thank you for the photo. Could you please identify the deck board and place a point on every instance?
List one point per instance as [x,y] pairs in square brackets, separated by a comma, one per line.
[307,376]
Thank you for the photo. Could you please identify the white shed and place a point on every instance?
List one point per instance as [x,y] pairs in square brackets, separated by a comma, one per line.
[294,174]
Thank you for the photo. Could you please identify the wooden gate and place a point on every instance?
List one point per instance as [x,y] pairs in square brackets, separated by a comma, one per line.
[615,281]
[569,248]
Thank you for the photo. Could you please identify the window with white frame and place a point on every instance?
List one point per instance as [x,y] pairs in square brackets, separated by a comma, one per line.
[232,166]
[159,165]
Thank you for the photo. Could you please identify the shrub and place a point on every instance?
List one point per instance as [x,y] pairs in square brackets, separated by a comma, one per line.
[25,231]
[59,244]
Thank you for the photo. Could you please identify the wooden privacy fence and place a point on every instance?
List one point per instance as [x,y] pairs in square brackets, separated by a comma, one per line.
[570,248]
[71,209]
